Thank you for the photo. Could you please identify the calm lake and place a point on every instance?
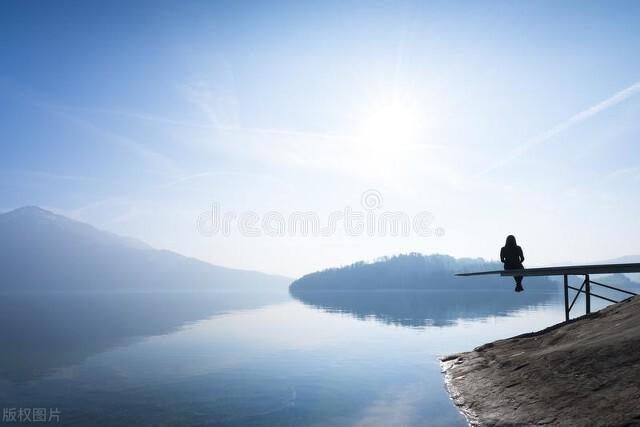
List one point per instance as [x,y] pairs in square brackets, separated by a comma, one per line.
[224,358]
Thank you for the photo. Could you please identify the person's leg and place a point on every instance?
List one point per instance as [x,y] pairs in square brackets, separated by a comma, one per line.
[519,287]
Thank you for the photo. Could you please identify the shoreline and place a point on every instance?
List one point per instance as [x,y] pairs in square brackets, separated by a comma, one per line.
[582,372]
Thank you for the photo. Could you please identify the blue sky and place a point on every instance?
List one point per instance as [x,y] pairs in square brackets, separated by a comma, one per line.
[496,117]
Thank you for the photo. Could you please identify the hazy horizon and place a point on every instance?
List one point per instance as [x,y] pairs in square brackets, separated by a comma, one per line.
[493,118]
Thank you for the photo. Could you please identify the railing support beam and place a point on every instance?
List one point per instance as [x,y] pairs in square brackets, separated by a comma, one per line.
[566,298]
[587,294]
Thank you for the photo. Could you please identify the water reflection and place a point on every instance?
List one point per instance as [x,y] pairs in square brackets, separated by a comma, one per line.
[245,359]
[44,331]
[426,308]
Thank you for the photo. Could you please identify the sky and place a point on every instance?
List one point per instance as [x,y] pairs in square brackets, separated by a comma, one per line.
[473,120]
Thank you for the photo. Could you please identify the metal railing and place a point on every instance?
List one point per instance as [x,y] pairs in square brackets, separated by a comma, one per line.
[585,289]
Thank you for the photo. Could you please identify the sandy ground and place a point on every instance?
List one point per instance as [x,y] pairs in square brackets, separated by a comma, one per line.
[582,373]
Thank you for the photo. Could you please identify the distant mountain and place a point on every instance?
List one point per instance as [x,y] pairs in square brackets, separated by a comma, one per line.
[624,259]
[413,271]
[635,277]
[40,250]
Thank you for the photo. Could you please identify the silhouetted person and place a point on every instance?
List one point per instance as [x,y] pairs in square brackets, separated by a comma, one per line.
[512,257]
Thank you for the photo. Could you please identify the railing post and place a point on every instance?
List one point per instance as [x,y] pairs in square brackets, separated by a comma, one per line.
[587,289]
[566,298]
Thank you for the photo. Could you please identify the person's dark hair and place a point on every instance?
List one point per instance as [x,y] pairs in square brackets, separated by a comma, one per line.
[511,241]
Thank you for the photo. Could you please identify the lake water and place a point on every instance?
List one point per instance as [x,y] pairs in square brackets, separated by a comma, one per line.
[334,359]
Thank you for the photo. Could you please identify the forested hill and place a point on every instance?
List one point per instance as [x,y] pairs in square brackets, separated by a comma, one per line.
[412,271]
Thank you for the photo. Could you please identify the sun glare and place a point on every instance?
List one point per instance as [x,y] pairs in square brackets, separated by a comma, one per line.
[386,135]
[392,124]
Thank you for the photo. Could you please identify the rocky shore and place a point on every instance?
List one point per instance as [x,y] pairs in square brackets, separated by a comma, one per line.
[585,372]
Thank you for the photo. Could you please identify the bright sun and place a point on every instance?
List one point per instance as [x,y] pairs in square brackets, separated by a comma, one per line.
[386,136]
[392,124]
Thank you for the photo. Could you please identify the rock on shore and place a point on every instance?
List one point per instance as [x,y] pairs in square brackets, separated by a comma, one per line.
[585,372]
